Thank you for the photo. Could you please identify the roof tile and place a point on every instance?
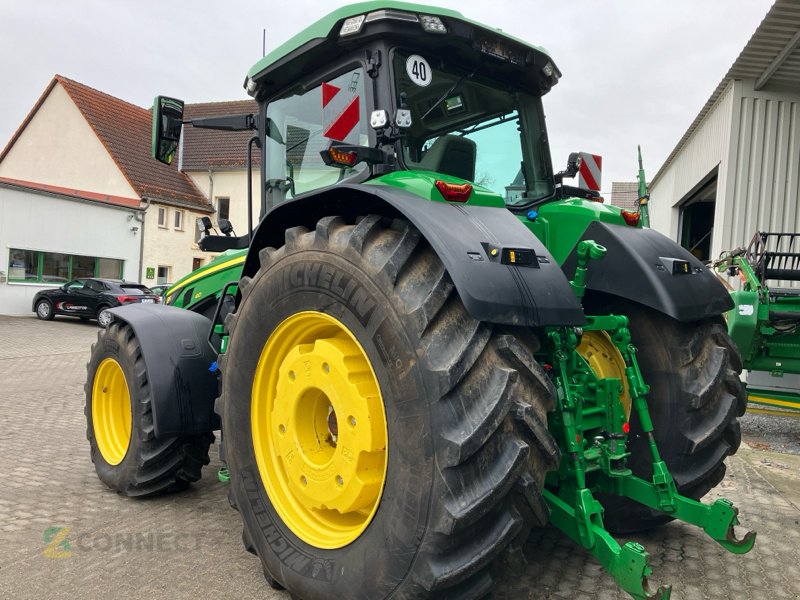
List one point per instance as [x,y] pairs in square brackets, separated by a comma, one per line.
[210,148]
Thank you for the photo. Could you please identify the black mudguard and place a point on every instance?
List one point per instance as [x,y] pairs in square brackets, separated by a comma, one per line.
[477,245]
[647,267]
[178,360]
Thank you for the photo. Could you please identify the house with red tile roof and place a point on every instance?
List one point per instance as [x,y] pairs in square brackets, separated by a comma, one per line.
[80,195]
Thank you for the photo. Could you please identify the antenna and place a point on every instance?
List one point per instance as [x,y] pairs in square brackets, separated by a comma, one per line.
[264,42]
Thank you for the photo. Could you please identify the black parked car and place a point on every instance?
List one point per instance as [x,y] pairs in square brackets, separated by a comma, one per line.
[90,298]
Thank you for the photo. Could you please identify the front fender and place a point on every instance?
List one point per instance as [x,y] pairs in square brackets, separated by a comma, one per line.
[178,361]
[475,243]
[639,267]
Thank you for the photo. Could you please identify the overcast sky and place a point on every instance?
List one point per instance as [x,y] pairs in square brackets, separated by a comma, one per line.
[634,71]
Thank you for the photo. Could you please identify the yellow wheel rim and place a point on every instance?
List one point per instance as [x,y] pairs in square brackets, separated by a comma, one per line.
[605,360]
[319,430]
[111,411]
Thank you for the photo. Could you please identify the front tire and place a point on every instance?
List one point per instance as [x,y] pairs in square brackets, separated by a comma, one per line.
[695,400]
[44,310]
[454,462]
[126,454]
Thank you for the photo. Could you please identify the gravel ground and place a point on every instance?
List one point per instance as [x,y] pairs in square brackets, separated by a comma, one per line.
[771,432]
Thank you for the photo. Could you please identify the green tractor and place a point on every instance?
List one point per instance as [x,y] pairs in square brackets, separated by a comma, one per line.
[430,344]
[765,321]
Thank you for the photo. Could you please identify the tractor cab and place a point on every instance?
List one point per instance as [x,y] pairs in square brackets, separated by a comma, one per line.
[404,89]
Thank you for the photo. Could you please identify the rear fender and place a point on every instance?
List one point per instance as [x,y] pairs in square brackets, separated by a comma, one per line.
[473,242]
[178,360]
[639,266]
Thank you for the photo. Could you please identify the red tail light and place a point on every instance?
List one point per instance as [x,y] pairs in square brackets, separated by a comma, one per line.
[454,192]
[631,218]
[126,299]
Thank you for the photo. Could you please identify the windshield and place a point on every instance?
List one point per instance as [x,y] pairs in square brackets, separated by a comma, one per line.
[467,126]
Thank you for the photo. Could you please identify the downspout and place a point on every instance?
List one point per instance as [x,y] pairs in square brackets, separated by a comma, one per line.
[140,216]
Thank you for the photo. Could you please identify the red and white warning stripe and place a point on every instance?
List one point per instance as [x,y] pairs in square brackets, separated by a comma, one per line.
[340,114]
[589,171]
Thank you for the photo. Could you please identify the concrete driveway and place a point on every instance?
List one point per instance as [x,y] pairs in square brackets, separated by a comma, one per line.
[65,535]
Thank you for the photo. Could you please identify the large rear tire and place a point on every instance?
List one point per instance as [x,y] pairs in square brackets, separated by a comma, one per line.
[458,447]
[126,454]
[695,399]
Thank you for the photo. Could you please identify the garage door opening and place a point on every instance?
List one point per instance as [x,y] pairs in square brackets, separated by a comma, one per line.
[697,218]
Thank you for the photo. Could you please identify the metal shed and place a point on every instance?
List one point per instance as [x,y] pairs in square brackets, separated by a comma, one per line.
[737,168]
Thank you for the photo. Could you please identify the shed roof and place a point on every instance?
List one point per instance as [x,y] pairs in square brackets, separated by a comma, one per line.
[771,58]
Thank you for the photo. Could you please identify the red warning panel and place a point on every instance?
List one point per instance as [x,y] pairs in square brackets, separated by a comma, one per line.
[589,172]
[340,113]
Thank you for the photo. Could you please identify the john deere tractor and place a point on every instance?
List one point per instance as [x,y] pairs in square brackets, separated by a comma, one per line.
[433,344]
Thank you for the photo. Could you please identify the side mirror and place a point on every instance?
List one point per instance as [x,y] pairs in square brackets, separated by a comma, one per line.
[167,123]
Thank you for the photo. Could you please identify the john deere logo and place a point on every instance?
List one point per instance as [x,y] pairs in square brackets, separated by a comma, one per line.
[58,545]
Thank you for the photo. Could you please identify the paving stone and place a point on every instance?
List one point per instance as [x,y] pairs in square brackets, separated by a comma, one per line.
[188,545]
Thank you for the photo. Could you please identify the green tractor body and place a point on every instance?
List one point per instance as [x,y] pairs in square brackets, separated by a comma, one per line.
[429,344]
[765,321]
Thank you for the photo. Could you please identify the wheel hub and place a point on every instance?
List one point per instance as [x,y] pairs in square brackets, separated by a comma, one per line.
[319,430]
[606,360]
[111,411]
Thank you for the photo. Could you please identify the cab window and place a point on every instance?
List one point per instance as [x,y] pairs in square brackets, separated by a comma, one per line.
[468,125]
[303,124]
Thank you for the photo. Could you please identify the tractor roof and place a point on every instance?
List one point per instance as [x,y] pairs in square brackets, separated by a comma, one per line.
[318,42]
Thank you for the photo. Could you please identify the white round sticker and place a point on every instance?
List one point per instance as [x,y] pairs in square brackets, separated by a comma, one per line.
[419,71]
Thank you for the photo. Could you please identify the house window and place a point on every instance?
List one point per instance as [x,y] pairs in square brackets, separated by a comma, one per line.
[196,263]
[178,219]
[164,272]
[83,266]
[55,267]
[162,216]
[223,208]
[33,266]
[109,268]
[23,265]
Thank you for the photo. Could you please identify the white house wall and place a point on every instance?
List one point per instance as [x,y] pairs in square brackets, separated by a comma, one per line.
[230,184]
[58,147]
[170,247]
[705,150]
[35,221]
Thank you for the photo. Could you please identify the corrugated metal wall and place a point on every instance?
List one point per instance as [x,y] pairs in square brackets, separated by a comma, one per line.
[765,167]
[702,153]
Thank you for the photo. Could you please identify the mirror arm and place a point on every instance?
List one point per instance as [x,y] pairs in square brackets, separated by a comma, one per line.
[225,123]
